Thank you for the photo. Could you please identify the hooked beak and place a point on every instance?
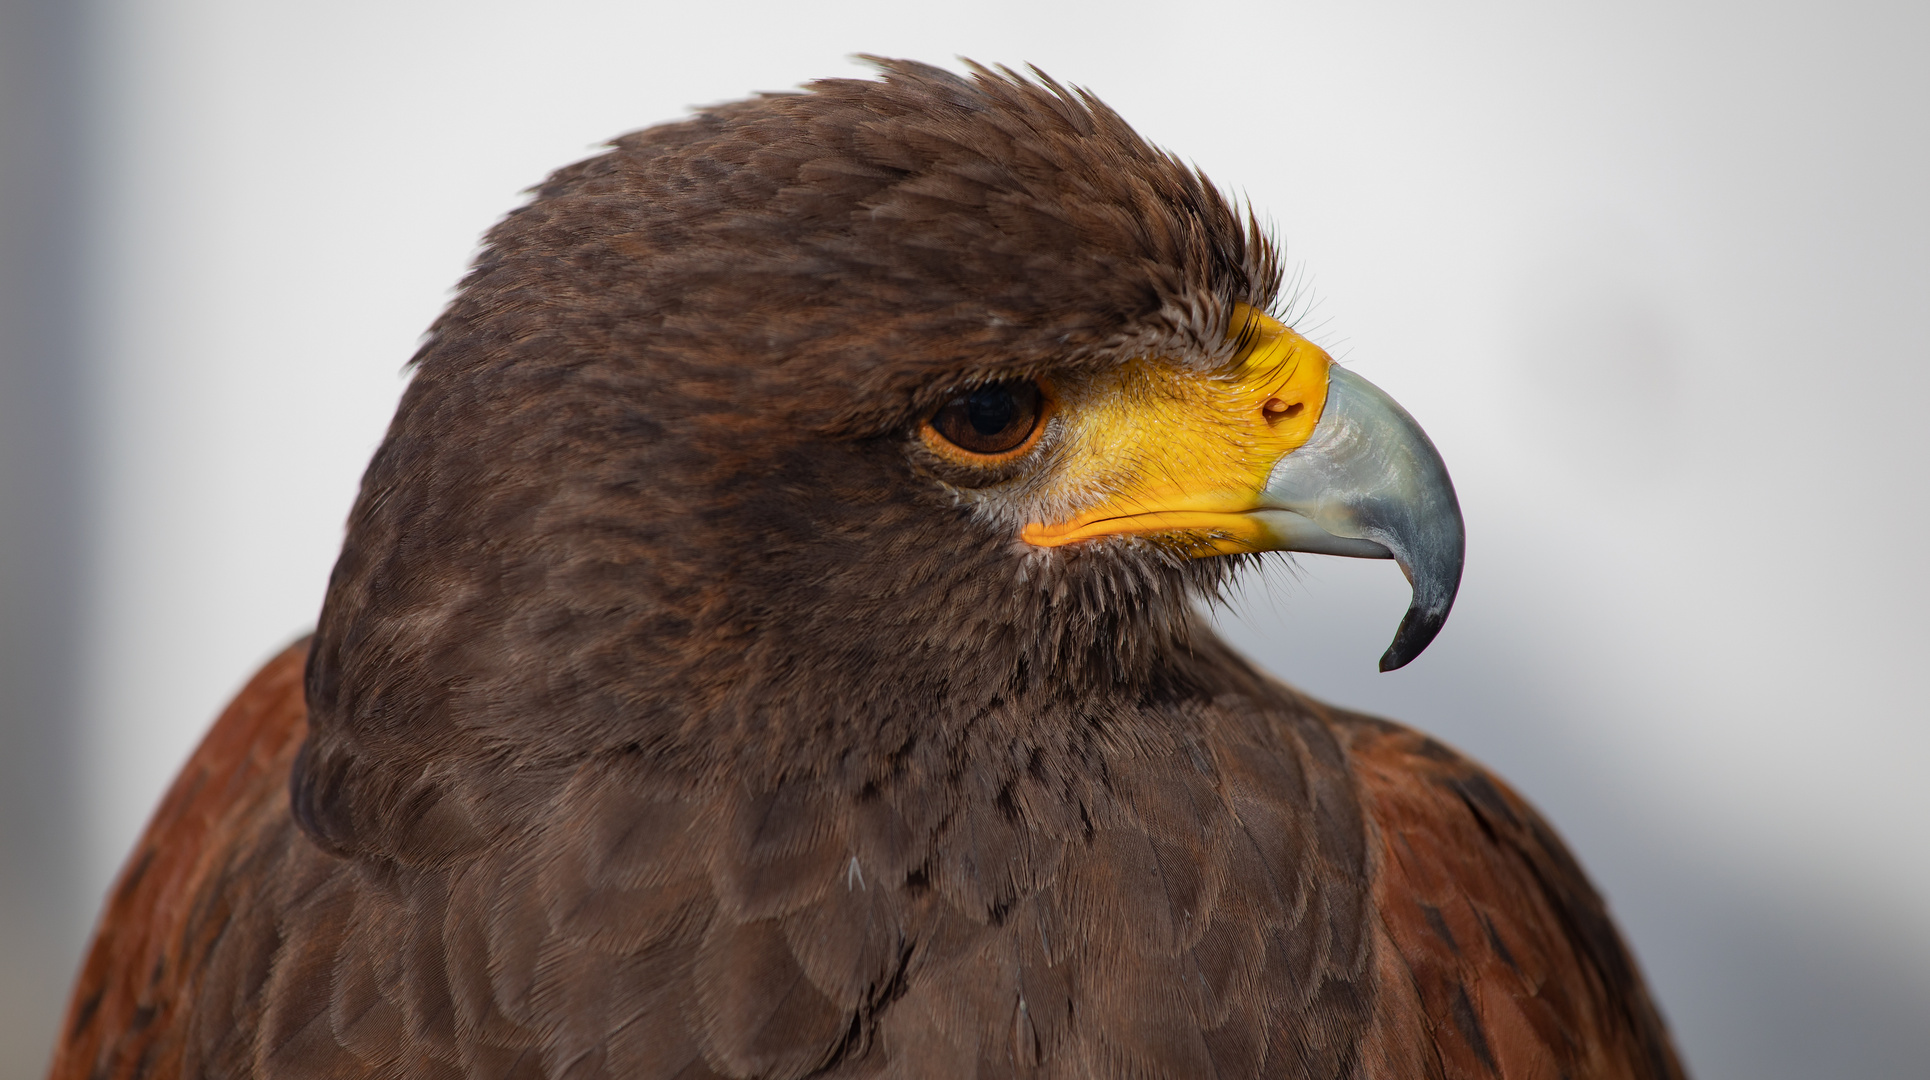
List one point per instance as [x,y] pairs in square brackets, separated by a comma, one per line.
[1282,451]
[1370,485]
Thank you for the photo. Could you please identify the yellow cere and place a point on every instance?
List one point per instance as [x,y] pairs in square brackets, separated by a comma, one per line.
[1159,449]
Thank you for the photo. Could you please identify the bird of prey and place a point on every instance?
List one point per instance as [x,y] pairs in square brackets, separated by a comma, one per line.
[767,645]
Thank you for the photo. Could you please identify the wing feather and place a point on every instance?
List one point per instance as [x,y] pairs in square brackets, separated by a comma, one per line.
[1500,959]
[165,913]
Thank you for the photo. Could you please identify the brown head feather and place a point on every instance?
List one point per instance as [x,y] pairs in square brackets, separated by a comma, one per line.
[656,450]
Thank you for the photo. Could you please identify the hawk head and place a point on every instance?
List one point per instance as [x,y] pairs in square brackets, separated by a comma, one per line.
[769,433]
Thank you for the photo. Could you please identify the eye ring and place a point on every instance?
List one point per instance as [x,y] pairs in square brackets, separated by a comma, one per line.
[990,423]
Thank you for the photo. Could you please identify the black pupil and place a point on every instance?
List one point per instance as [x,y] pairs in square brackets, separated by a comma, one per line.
[991,409]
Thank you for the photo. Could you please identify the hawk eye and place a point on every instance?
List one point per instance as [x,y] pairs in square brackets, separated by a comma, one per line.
[993,419]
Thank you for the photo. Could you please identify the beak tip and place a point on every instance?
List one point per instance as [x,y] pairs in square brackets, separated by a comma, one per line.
[1417,631]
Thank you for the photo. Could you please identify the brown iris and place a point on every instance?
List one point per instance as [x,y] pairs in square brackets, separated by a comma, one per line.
[994,419]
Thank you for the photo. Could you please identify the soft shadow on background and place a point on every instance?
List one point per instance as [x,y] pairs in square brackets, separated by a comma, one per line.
[1654,277]
[43,459]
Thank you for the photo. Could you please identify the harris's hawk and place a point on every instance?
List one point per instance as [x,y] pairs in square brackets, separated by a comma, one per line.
[765,645]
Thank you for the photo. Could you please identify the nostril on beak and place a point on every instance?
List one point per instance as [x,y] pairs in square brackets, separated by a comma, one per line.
[1276,410]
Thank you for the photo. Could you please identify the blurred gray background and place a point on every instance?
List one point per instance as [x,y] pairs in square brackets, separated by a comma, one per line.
[1655,276]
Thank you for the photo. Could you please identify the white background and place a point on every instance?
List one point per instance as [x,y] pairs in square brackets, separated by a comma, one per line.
[1655,276]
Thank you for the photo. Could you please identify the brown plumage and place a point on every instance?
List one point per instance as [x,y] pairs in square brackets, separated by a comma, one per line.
[675,711]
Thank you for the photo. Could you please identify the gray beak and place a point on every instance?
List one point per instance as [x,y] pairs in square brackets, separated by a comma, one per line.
[1368,484]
